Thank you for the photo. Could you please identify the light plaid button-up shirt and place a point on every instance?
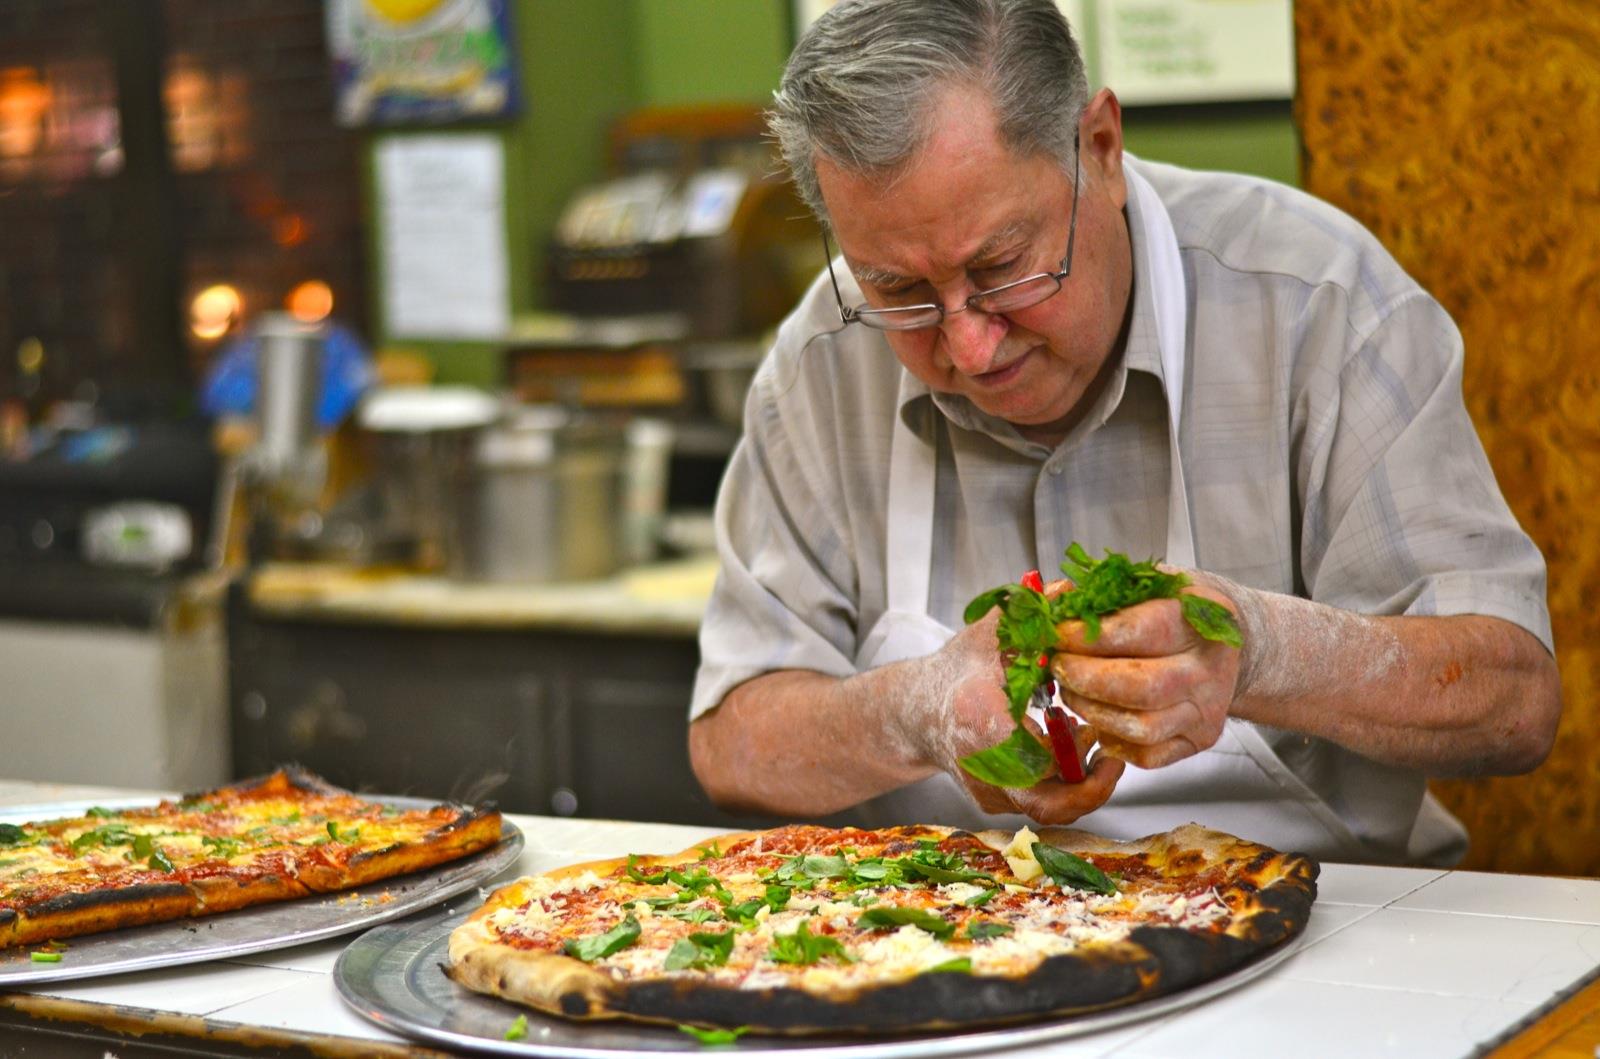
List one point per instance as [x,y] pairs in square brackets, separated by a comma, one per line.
[1326,450]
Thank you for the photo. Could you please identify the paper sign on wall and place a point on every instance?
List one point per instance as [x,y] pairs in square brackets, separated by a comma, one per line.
[442,234]
[1192,51]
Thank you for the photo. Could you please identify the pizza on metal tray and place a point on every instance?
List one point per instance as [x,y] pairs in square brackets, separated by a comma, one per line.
[278,837]
[808,929]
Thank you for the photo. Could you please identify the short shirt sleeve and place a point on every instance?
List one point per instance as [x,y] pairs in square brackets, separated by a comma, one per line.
[1403,514]
[784,596]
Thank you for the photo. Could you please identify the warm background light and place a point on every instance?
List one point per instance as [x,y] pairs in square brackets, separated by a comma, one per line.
[24,100]
[214,311]
[310,302]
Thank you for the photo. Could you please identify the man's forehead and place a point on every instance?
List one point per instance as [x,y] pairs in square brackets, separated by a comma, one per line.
[883,272]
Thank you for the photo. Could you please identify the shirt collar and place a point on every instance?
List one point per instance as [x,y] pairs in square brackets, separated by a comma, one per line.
[1140,352]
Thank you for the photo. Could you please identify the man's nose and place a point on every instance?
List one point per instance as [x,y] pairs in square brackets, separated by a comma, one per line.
[971,337]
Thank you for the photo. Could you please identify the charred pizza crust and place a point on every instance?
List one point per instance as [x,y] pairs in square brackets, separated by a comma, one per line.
[285,835]
[1268,896]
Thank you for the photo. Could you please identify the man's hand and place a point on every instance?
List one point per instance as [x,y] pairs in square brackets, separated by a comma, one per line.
[1154,689]
[964,711]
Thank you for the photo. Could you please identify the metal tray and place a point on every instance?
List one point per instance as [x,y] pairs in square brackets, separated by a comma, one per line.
[391,975]
[260,927]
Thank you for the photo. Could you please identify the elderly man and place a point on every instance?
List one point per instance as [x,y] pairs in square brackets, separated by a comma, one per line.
[1031,338]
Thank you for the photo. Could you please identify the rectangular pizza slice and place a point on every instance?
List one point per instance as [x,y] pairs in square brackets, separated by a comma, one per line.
[274,838]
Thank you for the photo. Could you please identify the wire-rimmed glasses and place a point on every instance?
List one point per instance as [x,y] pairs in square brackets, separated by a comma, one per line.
[1006,298]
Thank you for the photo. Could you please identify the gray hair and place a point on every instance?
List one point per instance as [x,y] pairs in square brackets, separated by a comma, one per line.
[859,86]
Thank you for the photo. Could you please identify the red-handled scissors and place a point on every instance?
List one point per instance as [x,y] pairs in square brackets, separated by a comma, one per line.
[1058,723]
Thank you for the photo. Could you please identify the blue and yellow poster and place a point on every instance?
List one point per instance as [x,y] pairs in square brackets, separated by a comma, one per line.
[422,62]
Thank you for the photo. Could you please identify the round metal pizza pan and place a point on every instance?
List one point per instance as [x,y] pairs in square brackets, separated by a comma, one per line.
[261,927]
[391,975]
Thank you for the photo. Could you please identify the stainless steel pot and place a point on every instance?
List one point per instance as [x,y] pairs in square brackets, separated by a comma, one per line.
[549,487]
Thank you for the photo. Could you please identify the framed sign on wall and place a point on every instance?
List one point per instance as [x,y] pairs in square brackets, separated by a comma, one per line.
[1158,52]
[422,62]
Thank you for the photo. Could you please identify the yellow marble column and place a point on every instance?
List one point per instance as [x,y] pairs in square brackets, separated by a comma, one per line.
[1466,134]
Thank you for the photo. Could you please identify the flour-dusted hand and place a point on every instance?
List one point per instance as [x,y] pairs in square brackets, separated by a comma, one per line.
[1156,689]
[963,710]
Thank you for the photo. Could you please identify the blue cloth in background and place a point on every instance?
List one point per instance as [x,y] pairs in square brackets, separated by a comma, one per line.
[229,388]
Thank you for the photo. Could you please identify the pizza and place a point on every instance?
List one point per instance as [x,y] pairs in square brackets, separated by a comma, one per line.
[809,929]
[274,838]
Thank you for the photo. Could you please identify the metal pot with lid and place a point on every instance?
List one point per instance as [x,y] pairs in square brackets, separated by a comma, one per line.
[549,497]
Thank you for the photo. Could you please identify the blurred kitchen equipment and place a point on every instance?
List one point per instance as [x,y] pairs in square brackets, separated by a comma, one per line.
[129,655]
[424,439]
[549,498]
[644,483]
[287,465]
[139,533]
[695,218]
[720,374]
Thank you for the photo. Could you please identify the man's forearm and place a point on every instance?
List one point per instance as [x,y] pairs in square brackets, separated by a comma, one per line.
[799,743]
[1465,695]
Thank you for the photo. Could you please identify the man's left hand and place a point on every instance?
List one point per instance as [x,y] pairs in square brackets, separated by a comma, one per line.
[1155,690]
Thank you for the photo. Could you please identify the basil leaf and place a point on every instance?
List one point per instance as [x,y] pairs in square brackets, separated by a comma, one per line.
[1077,564]
[984,603]
[1020,761]
[348,834]
[983,929]
[1210,619]
[99,812]
[1102,586]
[777,896]
[874,869]
[942,868]
[142,846]
[159,862]
[885,918]
[223,848]
[595,946]
[682,897]
[979,900]
[695,881]
[714,1036]
[695,915]
[813,866]
[638,876]
[105,835]
[804,947]
[959,965]
[700,950]
[519,1029]
[710,852]
[1067,869]
[12,835]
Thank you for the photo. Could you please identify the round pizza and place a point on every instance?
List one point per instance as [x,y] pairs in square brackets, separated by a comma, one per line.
[808,929]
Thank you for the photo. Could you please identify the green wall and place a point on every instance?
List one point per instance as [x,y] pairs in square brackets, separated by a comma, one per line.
[705,51]
[585,62]
[1243,138]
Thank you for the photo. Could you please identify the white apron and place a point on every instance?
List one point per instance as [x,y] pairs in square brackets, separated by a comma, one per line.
[1239,785]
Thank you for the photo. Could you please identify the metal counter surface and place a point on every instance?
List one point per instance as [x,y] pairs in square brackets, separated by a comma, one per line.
[1396,962]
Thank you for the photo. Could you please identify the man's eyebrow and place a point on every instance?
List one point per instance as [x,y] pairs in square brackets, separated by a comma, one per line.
[888,277]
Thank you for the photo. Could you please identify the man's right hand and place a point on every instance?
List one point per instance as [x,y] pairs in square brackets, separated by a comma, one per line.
[958,707]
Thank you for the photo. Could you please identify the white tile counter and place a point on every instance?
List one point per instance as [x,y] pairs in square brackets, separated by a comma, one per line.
[1396,962]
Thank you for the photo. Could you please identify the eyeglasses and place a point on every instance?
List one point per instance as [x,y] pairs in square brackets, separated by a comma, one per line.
[1006,298]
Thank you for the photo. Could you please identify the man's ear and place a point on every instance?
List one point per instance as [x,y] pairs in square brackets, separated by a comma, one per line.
[1100,145]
